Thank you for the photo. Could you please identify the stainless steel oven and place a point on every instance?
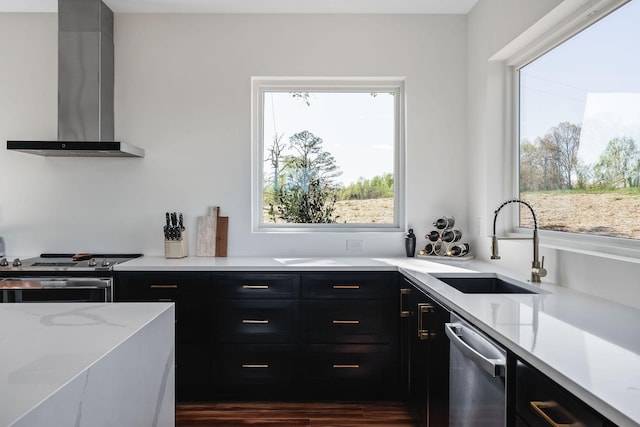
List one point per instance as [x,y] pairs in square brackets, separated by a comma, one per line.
[59,278]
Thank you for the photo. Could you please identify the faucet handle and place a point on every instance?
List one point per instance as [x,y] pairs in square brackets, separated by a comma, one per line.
[542,271]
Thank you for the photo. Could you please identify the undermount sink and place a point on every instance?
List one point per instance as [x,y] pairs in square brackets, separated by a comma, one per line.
[484,285]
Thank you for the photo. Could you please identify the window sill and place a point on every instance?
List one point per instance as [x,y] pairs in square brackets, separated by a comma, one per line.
[624,250]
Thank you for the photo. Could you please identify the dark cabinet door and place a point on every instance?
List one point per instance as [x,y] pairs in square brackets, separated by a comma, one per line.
[542,402]
[428,365]
[256,285]
[161,286]
[346,321]
[256,321]
[348,371]
[349,285]
[256,371]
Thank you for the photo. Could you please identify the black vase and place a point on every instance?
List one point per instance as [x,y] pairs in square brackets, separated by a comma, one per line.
[410,243]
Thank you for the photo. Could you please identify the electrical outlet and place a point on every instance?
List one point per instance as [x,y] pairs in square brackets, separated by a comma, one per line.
[354,245]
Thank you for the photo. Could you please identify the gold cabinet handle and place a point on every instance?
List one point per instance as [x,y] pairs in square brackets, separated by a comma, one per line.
[338,366]
[568,420]
[403,312]
[345,322]
[423,332]
[255,321]
[163,286]
[254,365]
[346,286]
[255,286]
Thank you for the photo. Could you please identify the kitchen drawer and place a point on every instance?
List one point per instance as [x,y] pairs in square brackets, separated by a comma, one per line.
[258,370]
[365,321]
[536,390]
[256,321]
[256,285]
[356,370]
[161,286]
[347,285]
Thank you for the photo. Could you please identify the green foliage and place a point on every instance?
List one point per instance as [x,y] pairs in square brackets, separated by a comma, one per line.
[316,205]
[619,164]
[377,187]
[303,189]
[551,163]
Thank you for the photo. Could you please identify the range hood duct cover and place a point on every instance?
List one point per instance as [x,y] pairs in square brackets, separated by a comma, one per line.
[85,86]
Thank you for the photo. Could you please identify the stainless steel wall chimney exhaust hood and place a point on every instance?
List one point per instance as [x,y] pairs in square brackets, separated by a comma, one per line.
[85,86]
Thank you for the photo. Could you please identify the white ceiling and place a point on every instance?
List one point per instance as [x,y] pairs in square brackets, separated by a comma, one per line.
[258,6]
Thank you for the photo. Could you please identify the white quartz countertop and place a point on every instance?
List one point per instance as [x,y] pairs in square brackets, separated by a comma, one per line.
[588,345]
[253,264]
[43,346]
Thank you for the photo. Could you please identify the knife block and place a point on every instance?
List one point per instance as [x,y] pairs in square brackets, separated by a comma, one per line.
[177,248]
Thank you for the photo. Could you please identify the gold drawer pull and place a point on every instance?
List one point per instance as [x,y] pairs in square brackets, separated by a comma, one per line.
[346,322]
[254,365]
[255,286]
[335,366]
[163,286]
[165,300]
[566,419]
[346,286]
[254,322]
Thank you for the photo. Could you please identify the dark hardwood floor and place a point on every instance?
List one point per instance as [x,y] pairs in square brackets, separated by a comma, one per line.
[318,414]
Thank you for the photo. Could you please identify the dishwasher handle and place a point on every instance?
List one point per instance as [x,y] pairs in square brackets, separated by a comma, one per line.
[494,367]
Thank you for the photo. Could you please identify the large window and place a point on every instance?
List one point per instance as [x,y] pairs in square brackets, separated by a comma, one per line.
[327,154]
[579,130]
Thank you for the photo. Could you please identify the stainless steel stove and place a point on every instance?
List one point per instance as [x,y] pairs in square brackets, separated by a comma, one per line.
[82,277]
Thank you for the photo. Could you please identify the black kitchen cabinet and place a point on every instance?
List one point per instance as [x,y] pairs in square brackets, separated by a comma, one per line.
[192,294]
[425,361]
[272,335]
[349,331]
[539,401]
[256,335]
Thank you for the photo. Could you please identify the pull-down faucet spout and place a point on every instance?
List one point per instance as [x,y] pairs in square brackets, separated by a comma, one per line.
[537,267]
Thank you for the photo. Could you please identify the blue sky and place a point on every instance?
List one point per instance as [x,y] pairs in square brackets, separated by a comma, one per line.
[592,79]
[356,128]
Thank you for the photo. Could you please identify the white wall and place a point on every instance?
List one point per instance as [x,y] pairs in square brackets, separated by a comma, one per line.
[489,31]
[183,94]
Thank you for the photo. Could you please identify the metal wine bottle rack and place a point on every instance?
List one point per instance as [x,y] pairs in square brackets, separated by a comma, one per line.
[445,241]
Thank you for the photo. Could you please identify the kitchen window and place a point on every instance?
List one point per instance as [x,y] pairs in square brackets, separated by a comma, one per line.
[327,154]
[578,129]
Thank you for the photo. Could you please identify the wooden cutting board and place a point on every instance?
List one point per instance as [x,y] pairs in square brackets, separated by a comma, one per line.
[222,232]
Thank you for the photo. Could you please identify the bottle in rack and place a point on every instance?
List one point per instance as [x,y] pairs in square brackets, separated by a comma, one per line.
[433,236]
[458,249]
[433,248]
[444,222]
[450,236]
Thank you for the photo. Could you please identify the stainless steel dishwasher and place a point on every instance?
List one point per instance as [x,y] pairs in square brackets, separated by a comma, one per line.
[477,377]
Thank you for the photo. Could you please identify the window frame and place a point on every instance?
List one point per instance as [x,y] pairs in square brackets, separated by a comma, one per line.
[260,85]
[543,38]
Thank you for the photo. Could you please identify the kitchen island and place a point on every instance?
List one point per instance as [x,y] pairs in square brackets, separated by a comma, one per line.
[86,364]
